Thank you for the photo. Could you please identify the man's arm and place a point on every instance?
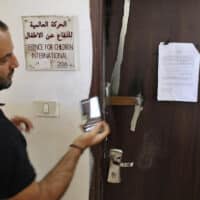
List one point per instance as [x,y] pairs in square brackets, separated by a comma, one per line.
[56,182]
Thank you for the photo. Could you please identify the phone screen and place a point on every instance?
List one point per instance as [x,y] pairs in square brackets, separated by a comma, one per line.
[91,113]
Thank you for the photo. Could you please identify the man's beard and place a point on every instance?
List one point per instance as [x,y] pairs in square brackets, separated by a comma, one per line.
[6,82]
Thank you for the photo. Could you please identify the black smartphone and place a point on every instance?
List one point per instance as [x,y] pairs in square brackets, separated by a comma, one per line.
[91,113]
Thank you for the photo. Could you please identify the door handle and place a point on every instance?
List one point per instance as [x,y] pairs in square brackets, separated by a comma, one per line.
[115,165]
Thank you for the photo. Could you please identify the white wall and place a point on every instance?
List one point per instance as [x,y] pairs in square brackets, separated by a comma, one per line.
[51,136]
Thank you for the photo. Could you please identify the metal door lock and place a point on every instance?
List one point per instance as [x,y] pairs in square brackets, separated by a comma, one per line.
[115,165]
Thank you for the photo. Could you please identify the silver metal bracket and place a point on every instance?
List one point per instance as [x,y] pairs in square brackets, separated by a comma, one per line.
[137,110]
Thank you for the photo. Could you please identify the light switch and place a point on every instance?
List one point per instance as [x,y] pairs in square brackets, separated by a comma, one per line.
[46,108]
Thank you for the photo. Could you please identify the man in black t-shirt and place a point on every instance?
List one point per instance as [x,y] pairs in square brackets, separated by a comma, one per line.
[17,176]
[16,172]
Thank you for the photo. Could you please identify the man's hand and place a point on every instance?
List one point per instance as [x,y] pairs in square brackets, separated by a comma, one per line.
[93,137]
[22,123]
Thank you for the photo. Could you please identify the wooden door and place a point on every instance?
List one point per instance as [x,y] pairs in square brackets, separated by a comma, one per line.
[166,144]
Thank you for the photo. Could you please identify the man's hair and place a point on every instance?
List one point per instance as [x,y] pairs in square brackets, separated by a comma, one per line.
[3,26]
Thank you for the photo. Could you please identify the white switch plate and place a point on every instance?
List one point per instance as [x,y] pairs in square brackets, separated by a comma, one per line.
[46,108]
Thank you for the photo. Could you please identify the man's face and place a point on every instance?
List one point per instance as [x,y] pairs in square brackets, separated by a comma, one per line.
[8,61]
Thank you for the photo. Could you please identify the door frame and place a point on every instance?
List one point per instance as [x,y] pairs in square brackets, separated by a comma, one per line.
[97,89]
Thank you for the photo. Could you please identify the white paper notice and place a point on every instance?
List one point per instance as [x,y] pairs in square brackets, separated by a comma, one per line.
[178,72]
